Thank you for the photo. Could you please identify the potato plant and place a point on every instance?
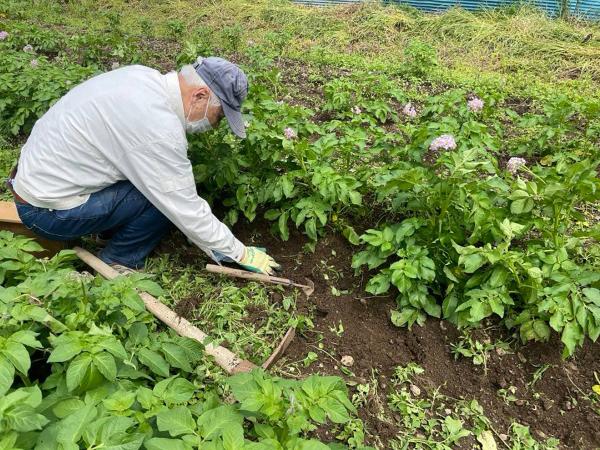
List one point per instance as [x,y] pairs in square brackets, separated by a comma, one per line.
[83,364]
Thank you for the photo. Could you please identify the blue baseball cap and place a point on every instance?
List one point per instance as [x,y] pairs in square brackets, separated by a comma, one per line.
[229,84]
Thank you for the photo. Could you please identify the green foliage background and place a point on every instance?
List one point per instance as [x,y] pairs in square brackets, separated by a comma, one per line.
[452,235]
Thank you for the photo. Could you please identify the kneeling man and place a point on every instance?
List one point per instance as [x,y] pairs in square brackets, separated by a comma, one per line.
[110,158]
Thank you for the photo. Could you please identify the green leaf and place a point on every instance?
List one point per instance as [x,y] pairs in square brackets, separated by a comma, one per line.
[65,352]
[431,307]
[571,336]
[243,385]
[213,422]
[449,305]
[138,333]
[114,434]
[272,214]
[283,226]
[166,444]
[67,407]
[23,418]
[174,390]
[310,227]
[9,440]
[18,355]
[114,347]
[336,412]
[541,329]
[454,426]
[176,421]
[379,284]
[302,444]
[7,375]
[593,295]
[149,286]
[522,205]
[233,438]
[26,337]
[350,234]
[472,262]
[119,401]
[317,414]
[403,317]
[71,428]
[154,361]
[77,369]
[479,311]
[105,363]
[176,356]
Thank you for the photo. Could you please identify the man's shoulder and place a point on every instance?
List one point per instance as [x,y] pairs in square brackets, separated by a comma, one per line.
[136,68]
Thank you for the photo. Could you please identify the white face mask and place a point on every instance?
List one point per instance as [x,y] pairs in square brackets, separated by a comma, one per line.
[198,126]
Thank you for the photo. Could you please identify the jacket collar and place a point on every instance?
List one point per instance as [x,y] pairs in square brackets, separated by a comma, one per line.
[174,95]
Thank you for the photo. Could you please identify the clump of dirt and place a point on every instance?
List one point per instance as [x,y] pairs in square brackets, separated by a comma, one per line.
[554,406]
[186,307]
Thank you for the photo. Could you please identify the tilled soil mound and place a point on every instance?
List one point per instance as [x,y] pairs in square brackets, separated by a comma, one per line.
[556,407]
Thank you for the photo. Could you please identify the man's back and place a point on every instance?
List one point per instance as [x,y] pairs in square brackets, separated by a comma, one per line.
[75,147]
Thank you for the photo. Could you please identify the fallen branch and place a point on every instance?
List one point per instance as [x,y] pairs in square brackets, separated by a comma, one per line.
[225,358]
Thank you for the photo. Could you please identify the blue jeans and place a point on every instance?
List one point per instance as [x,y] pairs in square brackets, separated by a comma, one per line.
[119,212]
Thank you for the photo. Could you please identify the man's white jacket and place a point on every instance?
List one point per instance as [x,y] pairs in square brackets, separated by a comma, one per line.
[127,124]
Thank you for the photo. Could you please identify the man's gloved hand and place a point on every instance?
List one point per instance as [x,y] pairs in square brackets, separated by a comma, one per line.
[256,260]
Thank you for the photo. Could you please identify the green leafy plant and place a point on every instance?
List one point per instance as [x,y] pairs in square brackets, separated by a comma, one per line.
[83,363]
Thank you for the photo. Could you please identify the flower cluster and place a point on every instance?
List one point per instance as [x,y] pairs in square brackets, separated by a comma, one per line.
[514,164]
[409,110]
[28,49]
[289,133]
[356,110]
[443,142]
[3,35]
[475,104]
[34,63]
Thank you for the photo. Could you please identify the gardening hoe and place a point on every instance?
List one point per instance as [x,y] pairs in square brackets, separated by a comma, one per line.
[308,288]
[223,357]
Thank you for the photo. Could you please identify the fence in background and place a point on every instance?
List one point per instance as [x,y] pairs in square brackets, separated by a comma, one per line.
[589,9]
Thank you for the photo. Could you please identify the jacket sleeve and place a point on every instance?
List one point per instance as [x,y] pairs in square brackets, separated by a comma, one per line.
[163,173]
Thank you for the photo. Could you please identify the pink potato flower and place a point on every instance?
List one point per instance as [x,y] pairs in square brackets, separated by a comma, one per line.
[3,35]
[514,164]
[34,63]
[409,110]
[289,133]
[475,104]
[356,110]
[443,142]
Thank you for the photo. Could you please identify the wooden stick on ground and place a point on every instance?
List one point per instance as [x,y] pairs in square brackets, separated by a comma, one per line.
[223,357]
[308,289]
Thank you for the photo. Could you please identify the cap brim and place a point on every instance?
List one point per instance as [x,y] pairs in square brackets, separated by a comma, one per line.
[235,120]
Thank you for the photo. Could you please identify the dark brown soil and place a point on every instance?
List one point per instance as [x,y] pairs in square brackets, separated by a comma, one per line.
[554,407]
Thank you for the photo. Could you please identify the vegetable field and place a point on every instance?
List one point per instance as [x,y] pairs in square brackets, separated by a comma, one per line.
[436,176]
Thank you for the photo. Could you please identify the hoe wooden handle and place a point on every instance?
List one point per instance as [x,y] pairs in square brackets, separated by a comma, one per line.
[223,357]
[213,268]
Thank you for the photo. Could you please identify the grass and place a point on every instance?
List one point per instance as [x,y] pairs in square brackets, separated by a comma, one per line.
[518,49]
[249,318]
[426,418]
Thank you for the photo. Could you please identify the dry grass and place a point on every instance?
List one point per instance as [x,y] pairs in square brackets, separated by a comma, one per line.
[521,45]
